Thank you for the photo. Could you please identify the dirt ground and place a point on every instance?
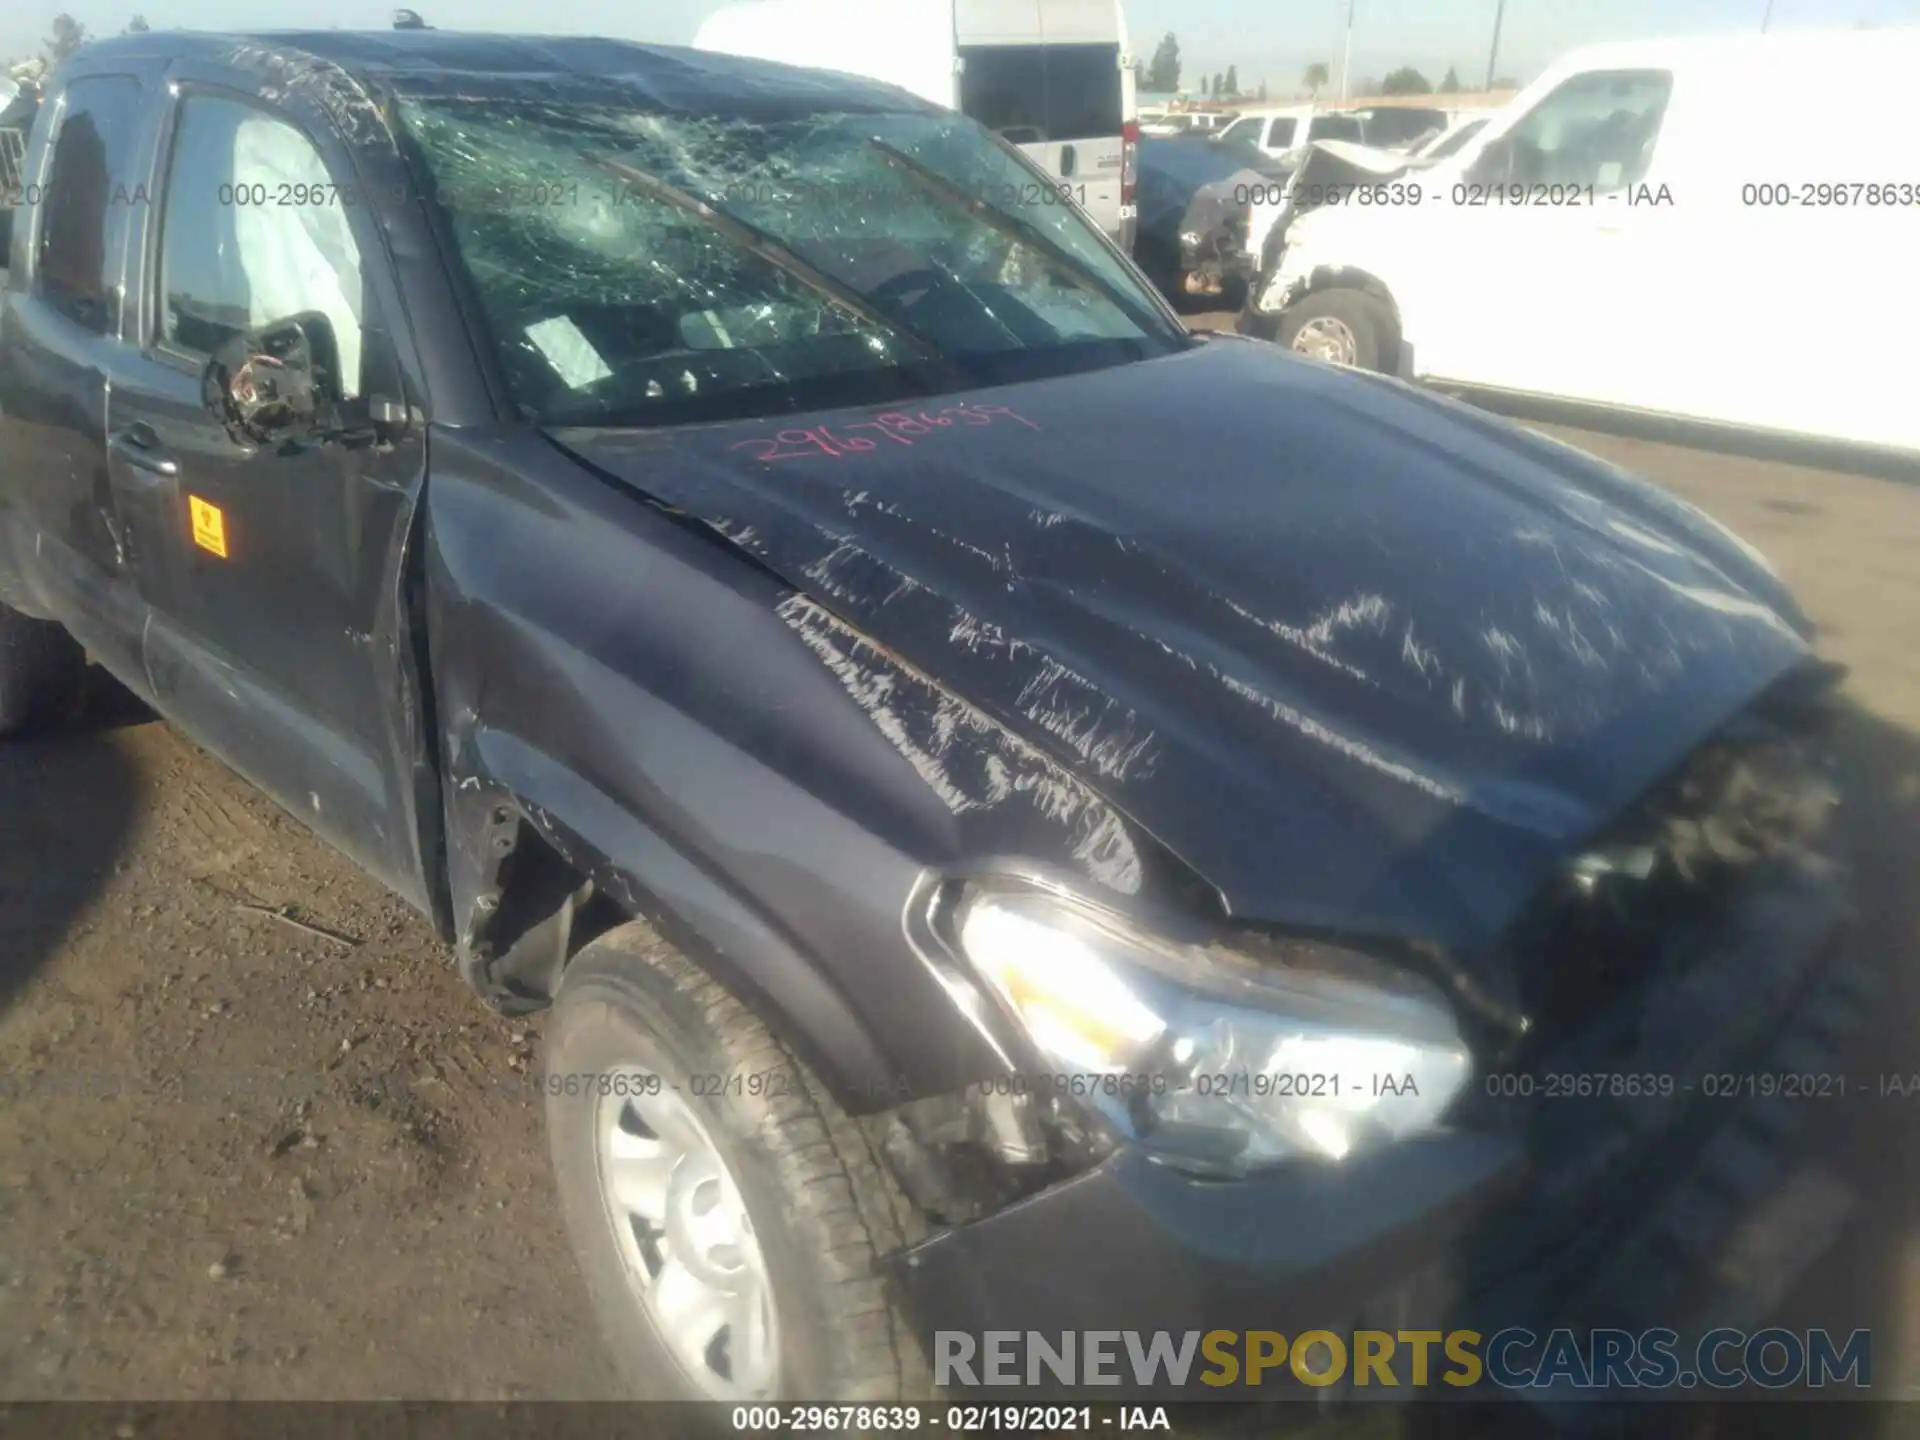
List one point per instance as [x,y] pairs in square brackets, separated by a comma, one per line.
[256,1141]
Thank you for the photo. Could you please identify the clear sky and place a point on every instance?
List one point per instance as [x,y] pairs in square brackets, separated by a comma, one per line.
[1271,39]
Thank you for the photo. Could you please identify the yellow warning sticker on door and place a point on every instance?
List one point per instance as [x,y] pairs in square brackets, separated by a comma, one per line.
[209,526]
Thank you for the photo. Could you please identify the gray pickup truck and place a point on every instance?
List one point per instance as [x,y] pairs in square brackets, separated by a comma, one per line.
[1026,817]
[18,106]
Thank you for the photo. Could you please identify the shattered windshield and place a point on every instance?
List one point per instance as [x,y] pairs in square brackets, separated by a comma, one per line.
[638,268]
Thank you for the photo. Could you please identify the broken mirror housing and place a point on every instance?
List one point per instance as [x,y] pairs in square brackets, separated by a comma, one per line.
[1215,1062]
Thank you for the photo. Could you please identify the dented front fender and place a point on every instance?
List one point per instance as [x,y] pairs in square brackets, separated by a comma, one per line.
[715,753]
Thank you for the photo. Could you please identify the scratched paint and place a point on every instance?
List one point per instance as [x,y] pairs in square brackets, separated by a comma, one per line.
[1106,735]
[290,73]
[1354,664]
[971,763]
[1346,745]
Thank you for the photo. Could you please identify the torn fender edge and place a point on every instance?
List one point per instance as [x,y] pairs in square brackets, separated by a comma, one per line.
[500,781]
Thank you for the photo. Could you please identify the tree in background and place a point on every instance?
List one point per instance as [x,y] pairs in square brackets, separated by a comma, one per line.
[68,36]
[1316,78]
[1263,92]
[138,26]
[1219,85]
[1406,81]
[1506,82]
[1450,82]
[1233,79]
[1367,86]
[1163,72]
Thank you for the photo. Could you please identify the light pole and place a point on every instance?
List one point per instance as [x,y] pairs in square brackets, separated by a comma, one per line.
[1766,19]
[1493,55]
[1346,59]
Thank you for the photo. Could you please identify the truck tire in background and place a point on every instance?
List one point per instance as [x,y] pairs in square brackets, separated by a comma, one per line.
[684,1134]
[42,670]
[1345,326]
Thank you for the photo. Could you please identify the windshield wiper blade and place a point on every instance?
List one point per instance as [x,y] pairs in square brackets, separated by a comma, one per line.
[757,241]
[1062,258]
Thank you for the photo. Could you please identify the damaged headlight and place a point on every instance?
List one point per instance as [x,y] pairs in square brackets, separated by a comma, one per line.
[1216,1061]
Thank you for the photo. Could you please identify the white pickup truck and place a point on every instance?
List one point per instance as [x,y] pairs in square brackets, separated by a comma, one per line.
[1641,229]
[17,109]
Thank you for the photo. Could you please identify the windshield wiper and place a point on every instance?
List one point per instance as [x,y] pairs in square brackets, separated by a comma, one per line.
[755,240]
[1063,259]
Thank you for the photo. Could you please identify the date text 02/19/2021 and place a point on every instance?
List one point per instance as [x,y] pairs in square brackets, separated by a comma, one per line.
[951,1419]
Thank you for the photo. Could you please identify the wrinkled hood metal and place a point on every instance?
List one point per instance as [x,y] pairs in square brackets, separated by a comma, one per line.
[1324,168]
[1360,656]
[1173,199]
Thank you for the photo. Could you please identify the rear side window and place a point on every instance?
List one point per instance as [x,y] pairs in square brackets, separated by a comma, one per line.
[1032,94]
[88,196]
[1338,127]
[1395,125]
[1247,131]
[1594,129]
[1280,135]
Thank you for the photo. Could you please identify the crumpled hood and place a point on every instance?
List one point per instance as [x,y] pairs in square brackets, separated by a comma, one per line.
[1360,656]
[1172,207]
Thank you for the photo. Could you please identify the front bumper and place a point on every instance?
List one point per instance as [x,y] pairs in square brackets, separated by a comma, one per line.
[1544,1213]
[1214,263]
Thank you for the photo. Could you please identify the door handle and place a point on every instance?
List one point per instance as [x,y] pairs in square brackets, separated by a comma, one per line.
[140,448]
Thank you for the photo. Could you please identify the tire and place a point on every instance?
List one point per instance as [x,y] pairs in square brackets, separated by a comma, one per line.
[42,671]
[1361,321]
[822,1206]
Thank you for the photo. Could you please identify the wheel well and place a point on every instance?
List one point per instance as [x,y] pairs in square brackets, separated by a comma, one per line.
[544,910]
[958,1156]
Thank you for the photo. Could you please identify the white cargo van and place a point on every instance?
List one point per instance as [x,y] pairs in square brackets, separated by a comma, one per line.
[1051,76]
[1645,227]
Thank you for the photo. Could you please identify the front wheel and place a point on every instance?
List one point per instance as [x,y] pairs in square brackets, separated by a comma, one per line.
[1342,327]
[42,672]
[729,1217]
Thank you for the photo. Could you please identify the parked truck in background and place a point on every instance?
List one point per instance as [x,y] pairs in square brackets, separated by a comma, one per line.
[18,105]
[1644,230]
[1053,77]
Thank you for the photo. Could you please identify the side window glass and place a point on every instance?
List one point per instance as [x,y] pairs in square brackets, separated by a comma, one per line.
[1280,137]
[83,217]
[1596,129]
[255,232]
[1034,94]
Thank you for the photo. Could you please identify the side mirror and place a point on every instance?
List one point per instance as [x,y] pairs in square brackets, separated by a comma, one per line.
[278,385]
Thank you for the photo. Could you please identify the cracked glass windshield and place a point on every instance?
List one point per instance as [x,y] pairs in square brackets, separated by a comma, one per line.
[638,268]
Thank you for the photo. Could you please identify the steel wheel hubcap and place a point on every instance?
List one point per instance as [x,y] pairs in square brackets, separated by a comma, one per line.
[686,1238]
[1325,338]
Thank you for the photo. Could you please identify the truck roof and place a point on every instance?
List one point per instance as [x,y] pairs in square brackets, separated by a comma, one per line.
[1741,51]
[577,68]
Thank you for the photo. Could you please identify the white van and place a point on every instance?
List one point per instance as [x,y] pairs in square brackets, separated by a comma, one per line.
[1647,227]
[1051,76]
